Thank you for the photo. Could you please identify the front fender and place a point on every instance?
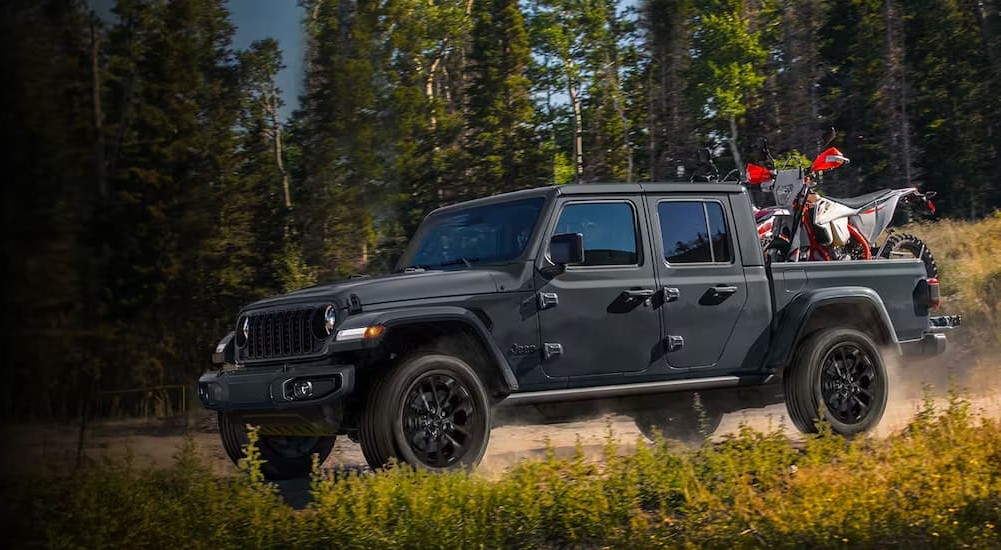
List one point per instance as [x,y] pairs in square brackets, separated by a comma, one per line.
[422,315]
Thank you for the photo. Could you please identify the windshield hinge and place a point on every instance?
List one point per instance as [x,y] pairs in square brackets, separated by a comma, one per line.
[548,300]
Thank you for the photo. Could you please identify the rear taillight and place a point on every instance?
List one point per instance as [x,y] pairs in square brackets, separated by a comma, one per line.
[934,294]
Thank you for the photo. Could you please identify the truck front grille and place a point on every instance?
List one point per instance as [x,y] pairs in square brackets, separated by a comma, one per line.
[282,334]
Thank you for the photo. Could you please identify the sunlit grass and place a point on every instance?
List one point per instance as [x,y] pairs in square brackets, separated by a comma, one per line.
[969,258]
[935,483]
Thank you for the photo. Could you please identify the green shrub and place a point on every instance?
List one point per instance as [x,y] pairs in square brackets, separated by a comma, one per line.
[937,482]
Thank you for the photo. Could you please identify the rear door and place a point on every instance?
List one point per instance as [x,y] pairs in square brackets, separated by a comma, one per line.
[702,279]
[599,318]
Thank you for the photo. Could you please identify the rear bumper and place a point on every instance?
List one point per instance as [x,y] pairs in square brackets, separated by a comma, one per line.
[930,346]
[273,388]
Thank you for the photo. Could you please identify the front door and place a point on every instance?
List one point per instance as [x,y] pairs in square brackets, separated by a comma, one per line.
[599,318]
[702,279]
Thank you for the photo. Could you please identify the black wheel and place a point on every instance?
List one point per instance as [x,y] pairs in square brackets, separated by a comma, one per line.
[843,370]
[286,457]
[903,245]
[683,419]
[431,411]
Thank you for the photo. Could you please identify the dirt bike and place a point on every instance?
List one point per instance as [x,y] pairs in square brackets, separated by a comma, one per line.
[806,226]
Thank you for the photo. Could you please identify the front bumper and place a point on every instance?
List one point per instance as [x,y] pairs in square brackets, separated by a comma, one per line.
[274,388]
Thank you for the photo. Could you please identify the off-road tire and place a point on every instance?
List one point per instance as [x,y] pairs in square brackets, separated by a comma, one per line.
[382,432]
[285,457]
[679,421]
[905,242]
[811,376]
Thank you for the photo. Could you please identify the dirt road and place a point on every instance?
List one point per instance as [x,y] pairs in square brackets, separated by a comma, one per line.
[50,448]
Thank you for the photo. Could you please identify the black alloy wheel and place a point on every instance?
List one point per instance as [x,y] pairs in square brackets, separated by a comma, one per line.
[848,383]
[438,419]
[430,411]
[840,373]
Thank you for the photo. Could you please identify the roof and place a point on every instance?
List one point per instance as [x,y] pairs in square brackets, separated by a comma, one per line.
[601,189]
[648,187]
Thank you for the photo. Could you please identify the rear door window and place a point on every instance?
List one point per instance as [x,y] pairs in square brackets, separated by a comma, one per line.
[694,232]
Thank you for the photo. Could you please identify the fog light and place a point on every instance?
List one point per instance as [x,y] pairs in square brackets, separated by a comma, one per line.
[302,389]
[209,392]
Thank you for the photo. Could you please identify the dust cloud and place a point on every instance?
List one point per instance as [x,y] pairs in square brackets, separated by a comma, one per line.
[975,379]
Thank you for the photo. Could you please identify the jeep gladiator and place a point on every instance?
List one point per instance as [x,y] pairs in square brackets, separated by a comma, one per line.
[653,297]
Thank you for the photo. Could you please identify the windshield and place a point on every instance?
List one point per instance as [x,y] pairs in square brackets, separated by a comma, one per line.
[481,234]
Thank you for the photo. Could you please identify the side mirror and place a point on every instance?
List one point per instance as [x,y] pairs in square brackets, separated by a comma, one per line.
[567,249]
[704,156]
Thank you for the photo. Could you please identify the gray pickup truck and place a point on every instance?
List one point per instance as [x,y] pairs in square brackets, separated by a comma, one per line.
[652,297]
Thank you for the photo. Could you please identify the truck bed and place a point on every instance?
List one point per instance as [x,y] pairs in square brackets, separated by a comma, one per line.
[894,281]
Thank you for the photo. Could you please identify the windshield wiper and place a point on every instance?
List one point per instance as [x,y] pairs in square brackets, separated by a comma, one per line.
[468,262]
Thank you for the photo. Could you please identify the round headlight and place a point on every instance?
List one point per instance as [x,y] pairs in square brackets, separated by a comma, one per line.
[323,320]
[242,331]
[329,319]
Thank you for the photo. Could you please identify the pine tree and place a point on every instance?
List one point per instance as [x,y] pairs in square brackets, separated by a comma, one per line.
[791,114]
[175,103]
[953,105]
[606,33]
[50,195]
[671,134]
[558,38]
[342,173]
[727,72]
[428,41]
[501,139]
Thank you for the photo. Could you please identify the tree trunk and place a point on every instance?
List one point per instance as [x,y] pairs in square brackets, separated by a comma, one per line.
[896,98]
[578,131]
[652,125]
[100,162]
[732,140]
[986,44]
[276,128]
[620,110]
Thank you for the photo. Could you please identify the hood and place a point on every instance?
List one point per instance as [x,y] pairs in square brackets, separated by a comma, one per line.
[395,287]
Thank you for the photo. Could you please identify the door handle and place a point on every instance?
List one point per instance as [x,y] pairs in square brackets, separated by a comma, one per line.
[722,290]
[641,293]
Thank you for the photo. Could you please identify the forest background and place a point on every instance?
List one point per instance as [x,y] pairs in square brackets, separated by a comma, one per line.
[153,186]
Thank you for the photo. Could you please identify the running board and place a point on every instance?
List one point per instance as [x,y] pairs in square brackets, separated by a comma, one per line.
[625,390]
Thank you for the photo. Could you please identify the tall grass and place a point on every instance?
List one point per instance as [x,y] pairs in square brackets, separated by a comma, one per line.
[936,483]
[969,258]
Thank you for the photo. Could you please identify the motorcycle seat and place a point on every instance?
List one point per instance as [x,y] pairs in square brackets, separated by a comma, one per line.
[863,200]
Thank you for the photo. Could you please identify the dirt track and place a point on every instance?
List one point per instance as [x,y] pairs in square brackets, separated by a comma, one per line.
[153,443]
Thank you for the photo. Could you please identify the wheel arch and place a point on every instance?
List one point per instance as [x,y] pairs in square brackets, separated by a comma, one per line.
[859,308]
[460,331]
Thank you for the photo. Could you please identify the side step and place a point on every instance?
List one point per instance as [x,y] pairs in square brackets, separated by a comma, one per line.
[625,390]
